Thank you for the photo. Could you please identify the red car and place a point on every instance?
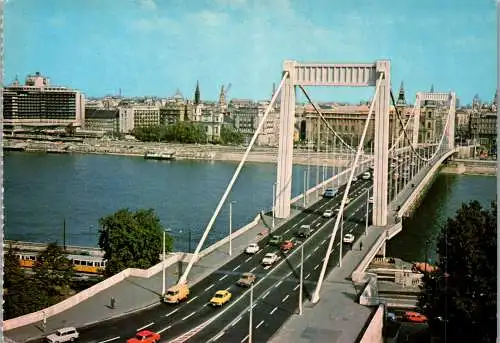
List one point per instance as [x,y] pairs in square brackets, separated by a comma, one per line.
[145,336]
[286,245]
[414,317]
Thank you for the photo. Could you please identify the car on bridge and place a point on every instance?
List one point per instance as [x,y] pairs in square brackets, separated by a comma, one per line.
[348,238]
[68,334]
[246,280]
[370,199]
[145,336]
[252,248]
[304,231]
[286,245]
[328,214]
[220,298]
[270,258]
[366,176]
[275,240]
[329,193]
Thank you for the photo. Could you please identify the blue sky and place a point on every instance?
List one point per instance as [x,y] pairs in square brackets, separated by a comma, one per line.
[153,47]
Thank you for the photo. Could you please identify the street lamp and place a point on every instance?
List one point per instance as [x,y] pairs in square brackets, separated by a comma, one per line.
[301,277]
[274,202]
[251,315]
[305,178]
[163,267]
[341,237]
[230,226]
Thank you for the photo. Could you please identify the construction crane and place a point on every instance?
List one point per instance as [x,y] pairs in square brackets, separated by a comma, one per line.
[227,90]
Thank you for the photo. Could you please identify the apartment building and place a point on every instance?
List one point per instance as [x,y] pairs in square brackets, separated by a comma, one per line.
[102,120]
[133,115]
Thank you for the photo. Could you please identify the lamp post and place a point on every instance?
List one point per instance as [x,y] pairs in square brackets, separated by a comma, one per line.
[274,202]
[163,267]
[230,227]
[251,315]
[305,180]
[367,205]
[301,277]
[341,237]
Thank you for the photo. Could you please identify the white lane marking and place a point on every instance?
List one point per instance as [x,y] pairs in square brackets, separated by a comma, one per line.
[109,340]
[279,283]
[265,295]
[315,249]
[164,329]
[170,313]
[307,276]
[316,267]
[191,299]
[236,321]
[248,259]
[244,339]
[318,224]
[251,270]
[219,335]
[145,326]
[274,310]
[295,288]
[289,273]
[206,289]
[308,256]
[323,241]
[284,299]
[261,322]
[222,278]
[189,315]
[236,267]
[287,230]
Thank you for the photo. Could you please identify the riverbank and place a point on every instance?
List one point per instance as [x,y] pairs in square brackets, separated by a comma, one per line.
[484,168]
[179,151]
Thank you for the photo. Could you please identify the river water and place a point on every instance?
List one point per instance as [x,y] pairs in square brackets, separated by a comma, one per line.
[43,190]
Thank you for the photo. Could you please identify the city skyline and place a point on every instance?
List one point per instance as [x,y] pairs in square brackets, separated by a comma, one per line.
[80,44]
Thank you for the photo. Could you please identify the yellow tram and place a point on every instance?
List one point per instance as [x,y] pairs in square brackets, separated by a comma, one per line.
[81,263]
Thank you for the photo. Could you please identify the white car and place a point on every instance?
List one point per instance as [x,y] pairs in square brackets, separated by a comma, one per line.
[370,200]
[270,258]
[68,334]
[328,214]
[252,248]
[348,238]
[366,176]
[354,178]
[347,201]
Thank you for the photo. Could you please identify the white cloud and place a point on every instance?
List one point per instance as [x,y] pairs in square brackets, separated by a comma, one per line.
[148,4]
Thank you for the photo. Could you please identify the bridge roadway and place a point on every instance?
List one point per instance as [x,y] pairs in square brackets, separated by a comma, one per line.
[174,320]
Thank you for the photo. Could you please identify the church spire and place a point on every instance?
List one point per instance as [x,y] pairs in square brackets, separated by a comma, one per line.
[197,94]
[401,98]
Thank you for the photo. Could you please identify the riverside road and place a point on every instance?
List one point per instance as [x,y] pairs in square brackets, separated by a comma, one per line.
[280,280]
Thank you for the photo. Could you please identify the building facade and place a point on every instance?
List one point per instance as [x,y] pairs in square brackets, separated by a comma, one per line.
[38,104]
[483,127]
[102,120]
[247,116]
[134,116]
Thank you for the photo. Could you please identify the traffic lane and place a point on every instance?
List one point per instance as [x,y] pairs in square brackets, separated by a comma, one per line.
[294,263]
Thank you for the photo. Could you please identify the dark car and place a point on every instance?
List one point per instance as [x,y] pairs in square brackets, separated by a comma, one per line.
[304,231]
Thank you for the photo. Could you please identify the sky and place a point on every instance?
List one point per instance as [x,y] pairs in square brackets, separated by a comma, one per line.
[154,47]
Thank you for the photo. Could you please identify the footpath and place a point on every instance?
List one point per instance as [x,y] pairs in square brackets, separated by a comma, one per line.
[337,317]
[135,294]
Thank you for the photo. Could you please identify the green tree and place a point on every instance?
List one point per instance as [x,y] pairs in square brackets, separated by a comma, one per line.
[131,240]
[462,293]
[54,271]
[230,136]
[13,274]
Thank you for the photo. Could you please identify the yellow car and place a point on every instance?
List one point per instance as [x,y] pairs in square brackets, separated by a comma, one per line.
[220,298]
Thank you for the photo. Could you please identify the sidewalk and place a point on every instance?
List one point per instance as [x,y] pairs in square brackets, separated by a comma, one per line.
[337,317]
[146,292]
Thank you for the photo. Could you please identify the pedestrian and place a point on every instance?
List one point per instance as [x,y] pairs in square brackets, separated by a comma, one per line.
[360,246]
[113,303]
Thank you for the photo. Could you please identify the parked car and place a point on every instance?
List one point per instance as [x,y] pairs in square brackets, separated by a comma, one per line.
[252,248]
[304,231]
[145,336]
[246,280]
[68,334]
[286,245]
[275,240]
[328,213]
[348,238]
[414,317]
[270,258]
[220,298]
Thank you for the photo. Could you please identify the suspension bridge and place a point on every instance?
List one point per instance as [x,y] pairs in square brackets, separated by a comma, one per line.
[401,163]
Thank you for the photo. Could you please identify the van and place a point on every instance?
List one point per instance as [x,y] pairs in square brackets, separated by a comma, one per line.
[176,294]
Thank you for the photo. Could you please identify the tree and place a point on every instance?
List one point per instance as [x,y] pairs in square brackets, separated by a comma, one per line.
[54,271]
[131,240]
[230,136]
[462,292]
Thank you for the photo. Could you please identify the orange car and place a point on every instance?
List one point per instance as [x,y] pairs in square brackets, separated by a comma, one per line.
[145,336]
[286,245]
[414,317]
